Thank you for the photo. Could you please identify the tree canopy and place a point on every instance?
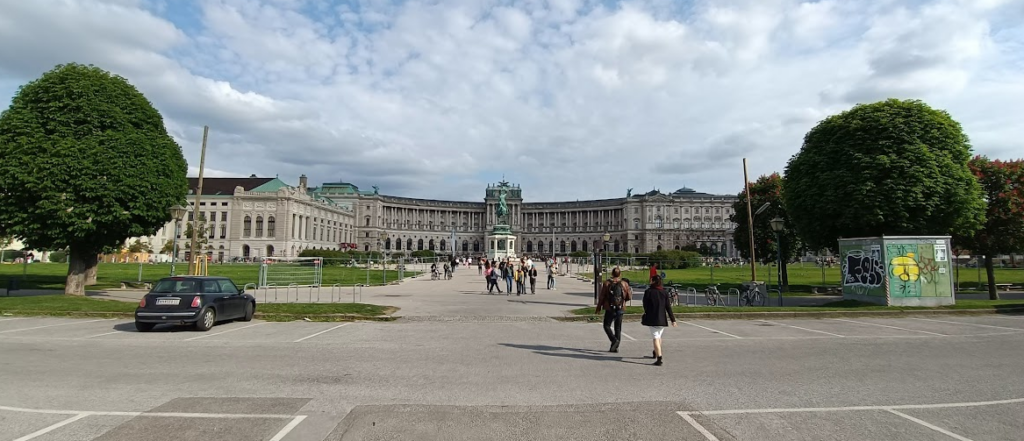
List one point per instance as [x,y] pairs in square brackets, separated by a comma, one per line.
[1003,232]
[87,163]
[888,168]
[766,190]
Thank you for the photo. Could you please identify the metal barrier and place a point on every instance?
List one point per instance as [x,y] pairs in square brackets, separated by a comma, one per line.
[288,293]
[354,292]
[266,290]
[728,295]
[333,287]
[251,290]
[691,291]
[778,292]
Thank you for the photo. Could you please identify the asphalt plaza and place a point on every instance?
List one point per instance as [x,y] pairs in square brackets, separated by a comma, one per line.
[520,378]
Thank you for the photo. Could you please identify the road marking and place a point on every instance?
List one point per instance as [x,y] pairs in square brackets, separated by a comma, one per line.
[50,326]
[852,408]
[225,332]
[100,335]
[928,425]
[321,332]
[803,329]
[53,427]
[968,324]
[709,329]
[892,327]
[149,414]
[698,426]
[288,428]
[627,336]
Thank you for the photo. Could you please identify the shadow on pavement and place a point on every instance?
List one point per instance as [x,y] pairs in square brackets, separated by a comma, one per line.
[578,305]
[577,353]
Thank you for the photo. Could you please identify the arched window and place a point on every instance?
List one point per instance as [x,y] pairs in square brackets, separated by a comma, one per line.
[657,222]
[431,245]
[572,246]
[366,247]
[443,244]
[220,254]
[367,221]
[245,251]
[584,245]
[247,228]
[540,246]
[659,247]
[270,251]
[675,223]
[398,244]
[408,244]
[259,226]
[271,226]
[616,246]
[465,246]
[636,224]
[563,246]
[211,230]
[419,245]
[476,246]
[223,231]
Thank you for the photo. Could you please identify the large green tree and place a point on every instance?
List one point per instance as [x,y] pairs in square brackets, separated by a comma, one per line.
[888,168]
[767,189]
[87,163]
[1003,232]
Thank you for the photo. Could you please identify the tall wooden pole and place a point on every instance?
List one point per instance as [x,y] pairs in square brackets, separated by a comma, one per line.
[195,209]
[750,223]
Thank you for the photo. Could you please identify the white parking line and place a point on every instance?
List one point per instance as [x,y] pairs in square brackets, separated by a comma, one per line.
[288,428]
[148,414]
[853,408]
[224,332]
[50,428]
[100,335]
[892,327]
[709,329]
[50,326]
[696,425]
[627,336]
[803,329]
[928,425]
[321,332]
[968,324]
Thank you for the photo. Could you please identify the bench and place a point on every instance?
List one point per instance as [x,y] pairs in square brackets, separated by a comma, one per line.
[125,284]
[1004,286]
[826,289]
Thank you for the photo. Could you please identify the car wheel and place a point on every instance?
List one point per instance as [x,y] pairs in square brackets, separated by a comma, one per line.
[206,320]
[249,310]
[144,327]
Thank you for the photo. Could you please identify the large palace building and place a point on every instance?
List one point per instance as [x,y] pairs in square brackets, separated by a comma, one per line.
[260,217]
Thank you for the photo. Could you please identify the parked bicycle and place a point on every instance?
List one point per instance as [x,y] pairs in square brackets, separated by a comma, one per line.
[673,294]
[712,295]
[752,296]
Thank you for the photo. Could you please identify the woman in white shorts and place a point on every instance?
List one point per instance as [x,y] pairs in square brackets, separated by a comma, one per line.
[657,314]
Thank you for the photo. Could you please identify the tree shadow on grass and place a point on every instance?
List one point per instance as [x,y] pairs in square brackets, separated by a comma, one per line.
[575,353]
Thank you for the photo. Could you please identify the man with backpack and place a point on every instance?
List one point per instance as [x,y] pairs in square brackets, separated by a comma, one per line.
[612,299]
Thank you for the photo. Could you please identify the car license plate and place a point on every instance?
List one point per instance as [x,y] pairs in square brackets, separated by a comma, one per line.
[167,301]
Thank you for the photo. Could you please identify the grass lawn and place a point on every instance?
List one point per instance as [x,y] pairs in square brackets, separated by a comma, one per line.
[801,278]
[841,305]
[60,304]
[110,275]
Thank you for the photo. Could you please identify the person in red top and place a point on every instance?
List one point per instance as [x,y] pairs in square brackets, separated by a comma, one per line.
[654,272]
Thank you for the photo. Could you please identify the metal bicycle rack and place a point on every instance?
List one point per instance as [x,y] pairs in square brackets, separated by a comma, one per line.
[268,288]
[769,297]
[247,288]
[288,292]
[357,289]
[691,291]
[728,296]
[333,287]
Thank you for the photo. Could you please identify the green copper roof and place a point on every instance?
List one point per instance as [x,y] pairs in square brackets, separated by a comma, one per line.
[271,186]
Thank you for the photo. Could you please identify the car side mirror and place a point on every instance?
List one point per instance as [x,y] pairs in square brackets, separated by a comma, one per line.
[241,291]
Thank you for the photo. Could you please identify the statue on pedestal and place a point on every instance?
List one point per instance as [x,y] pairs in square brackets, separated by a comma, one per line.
[629,193]
[501,211]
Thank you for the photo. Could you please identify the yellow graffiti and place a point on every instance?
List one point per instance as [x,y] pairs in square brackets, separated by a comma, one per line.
[905,267]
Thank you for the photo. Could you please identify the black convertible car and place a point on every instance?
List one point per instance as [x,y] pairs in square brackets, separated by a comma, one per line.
[198,300]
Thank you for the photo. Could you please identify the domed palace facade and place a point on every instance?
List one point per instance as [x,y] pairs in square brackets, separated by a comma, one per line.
[258,217]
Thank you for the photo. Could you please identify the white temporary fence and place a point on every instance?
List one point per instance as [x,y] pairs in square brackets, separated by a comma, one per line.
[298,271]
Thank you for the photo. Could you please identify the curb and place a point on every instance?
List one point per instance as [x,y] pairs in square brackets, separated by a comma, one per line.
[264,316]
[799,314]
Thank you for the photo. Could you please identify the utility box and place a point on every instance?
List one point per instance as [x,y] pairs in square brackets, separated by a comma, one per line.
[897,270]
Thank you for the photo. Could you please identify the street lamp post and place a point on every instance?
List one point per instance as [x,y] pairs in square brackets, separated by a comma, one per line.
[177,212]
[383,261]
[598,263]
[778,224]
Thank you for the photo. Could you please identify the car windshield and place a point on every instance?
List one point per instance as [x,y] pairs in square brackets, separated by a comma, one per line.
[175,286]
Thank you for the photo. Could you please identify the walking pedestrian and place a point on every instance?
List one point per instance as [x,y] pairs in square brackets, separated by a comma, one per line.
[509,273]
[533,279]
[656,307]
[612,299]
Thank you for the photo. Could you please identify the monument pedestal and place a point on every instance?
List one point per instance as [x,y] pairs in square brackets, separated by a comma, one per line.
[501,243]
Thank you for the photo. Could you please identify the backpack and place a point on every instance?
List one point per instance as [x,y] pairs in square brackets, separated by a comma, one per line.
[616,297]
[533,272]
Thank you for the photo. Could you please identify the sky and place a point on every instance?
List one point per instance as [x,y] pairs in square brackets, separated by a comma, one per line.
[570,99]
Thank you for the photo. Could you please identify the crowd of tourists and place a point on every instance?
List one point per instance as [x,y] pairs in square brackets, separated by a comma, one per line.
[522,273]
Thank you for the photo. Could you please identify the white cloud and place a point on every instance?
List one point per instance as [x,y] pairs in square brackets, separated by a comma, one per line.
[573,99]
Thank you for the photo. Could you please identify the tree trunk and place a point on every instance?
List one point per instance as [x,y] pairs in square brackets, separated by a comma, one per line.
[991,273]
[92,262]
[77,265]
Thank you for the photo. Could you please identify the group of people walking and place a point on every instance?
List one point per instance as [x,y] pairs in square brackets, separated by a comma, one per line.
[523,273]
[612,298]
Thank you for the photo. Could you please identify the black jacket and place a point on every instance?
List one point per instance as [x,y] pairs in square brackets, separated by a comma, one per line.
[656,305]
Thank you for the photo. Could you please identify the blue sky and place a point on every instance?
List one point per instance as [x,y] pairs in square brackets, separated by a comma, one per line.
[573,99]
